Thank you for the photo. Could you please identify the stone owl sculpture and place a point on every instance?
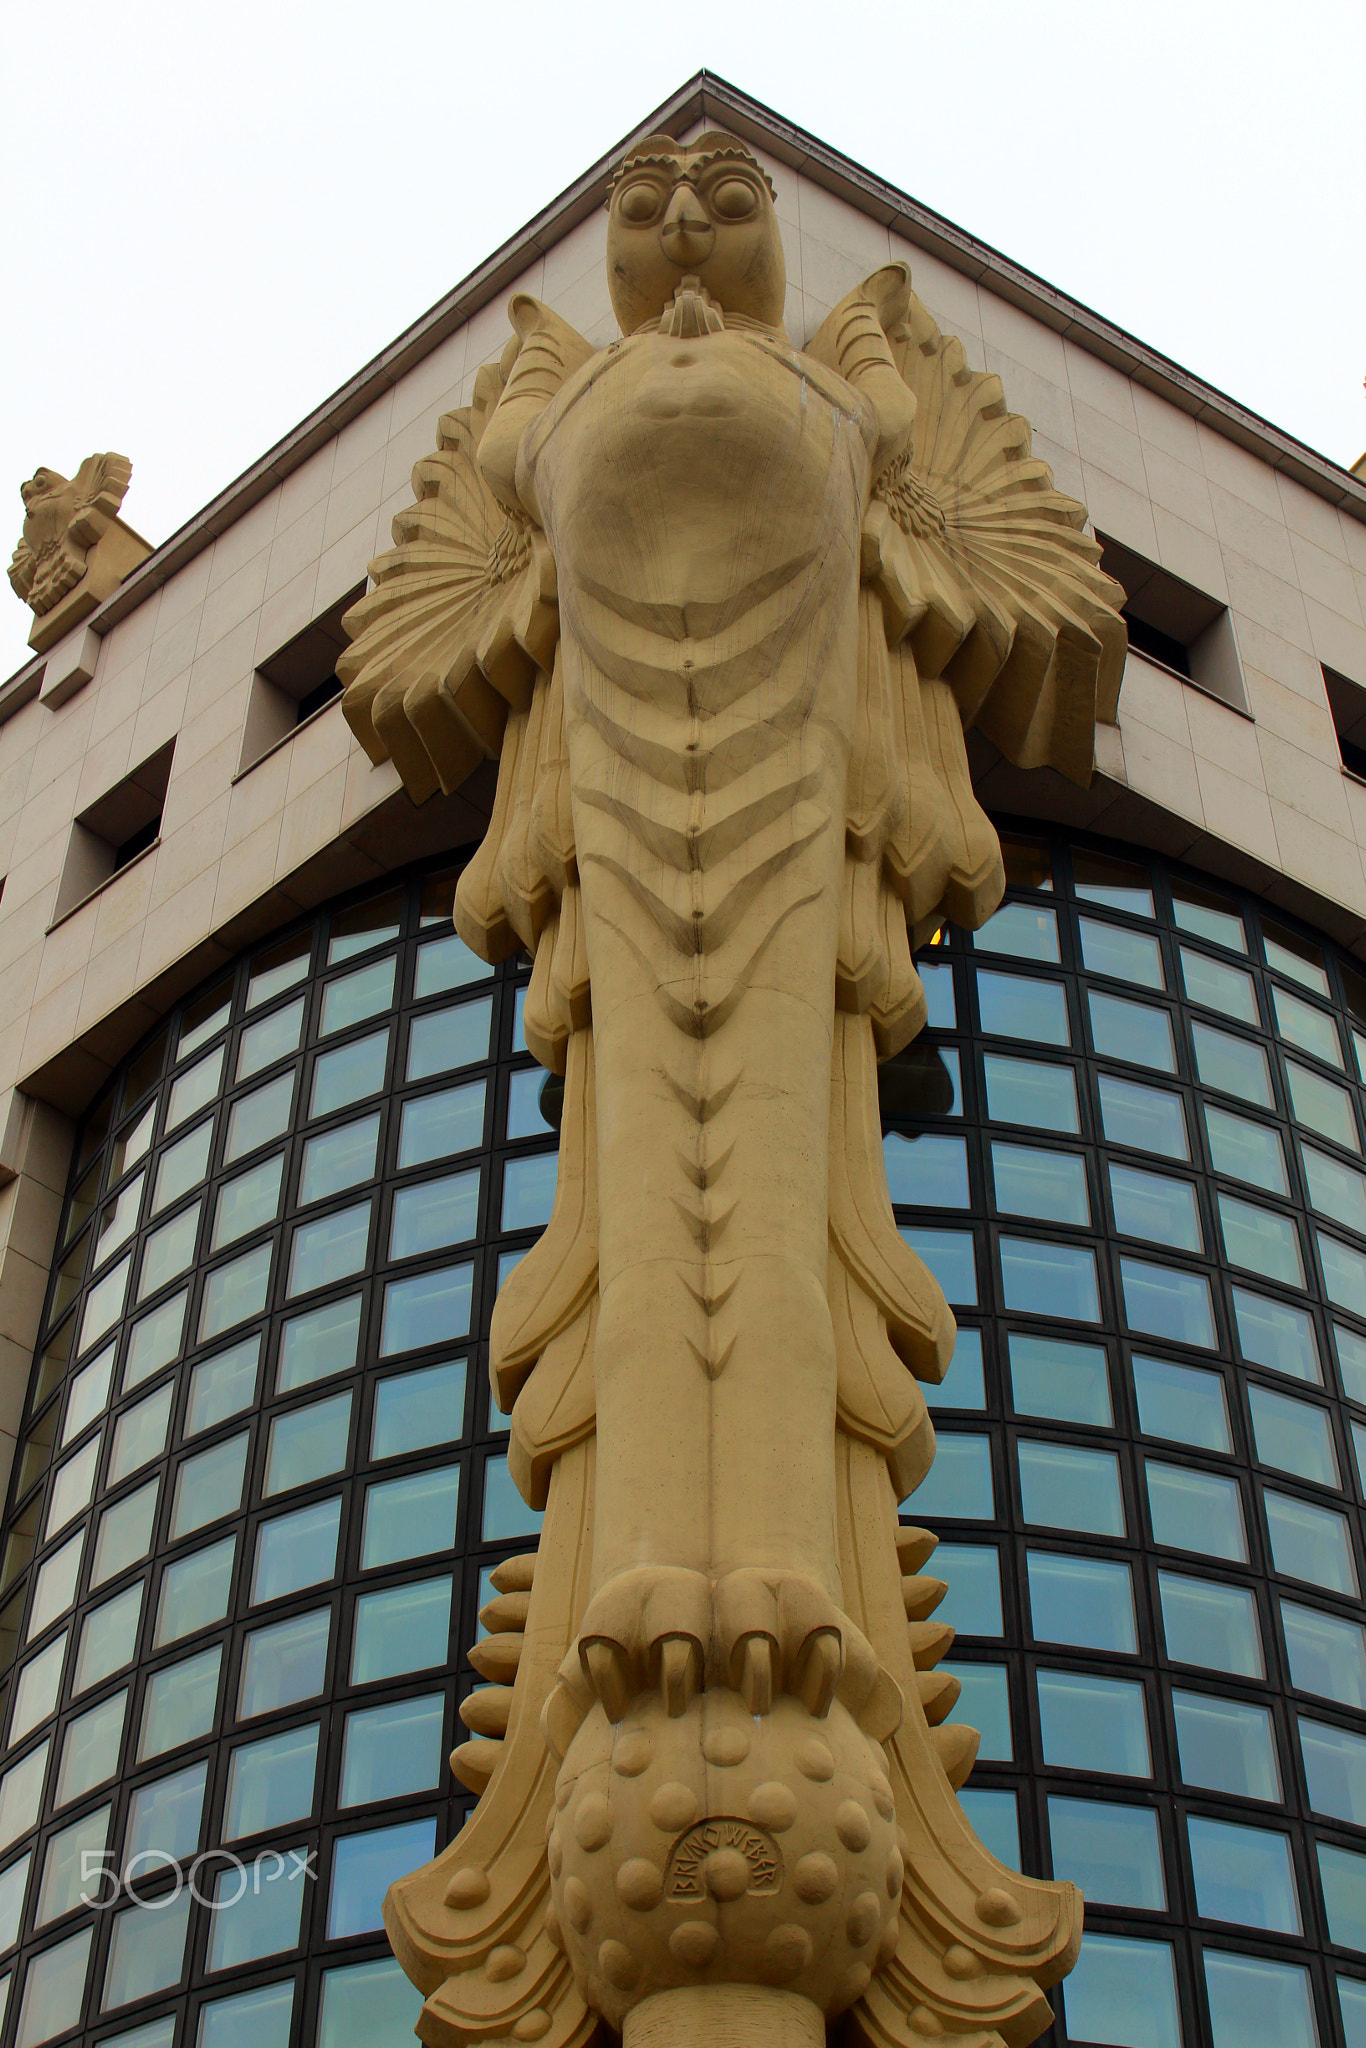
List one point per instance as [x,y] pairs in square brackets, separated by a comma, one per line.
[62,522]
[721,609]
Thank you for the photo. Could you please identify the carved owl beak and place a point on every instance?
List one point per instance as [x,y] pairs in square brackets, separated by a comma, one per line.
[685,233]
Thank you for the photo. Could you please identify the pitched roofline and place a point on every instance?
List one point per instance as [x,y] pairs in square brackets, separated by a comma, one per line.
[707,97]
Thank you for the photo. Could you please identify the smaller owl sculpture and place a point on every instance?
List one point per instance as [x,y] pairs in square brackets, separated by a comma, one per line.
[62,522]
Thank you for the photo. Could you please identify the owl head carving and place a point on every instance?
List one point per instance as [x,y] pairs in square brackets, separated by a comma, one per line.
[700,209]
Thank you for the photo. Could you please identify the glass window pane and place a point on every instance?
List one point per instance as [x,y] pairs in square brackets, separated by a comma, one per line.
[164,1818]
[505,1512]
[1327,1655]
[54,1990]
[1351,1350]
[88,1394]
[54,1586]
[391,1751]
[1182,1403]
[1226,1746]
[168,1251]
[1119,884]
[972,1572]
[1208,916]
[1217,986]
[222,1386]
[1306,1026]
[13,1891]
[257,1118]
[1012,1006]
[329,1250]
[1122,1030]
[406,1628]
[21,1790]
[365,2003]
[140,1434]
[444,1039]
[270,1783]
[1113,1852]
[36,1689]
[261,2017]
[447,963]
[1293,1436]
[1260,1240]
[1235,1066]
[103,1305]
[1338,1190]
[284,1664]
[1067,1382]
[1276,1335]
[994,1818]
[235,1292]
[1057,1280]
[1030,1092]
[1344,1273]
[958,1485]
[529,1190]
[1125,1991]
[1122,954]
[1064,1487]
[1322,1105]
[1343,1876]
[257,1911]
[950,1256]
[415,1411]
[196,1087]
[209,1486]
[1196,1511]
[1245,1150]
[274,1038]
[195,1592]
[273,972]
[154,1341]
[1148,1119]
[295,1551]
[1162,1301]
[435,1213]
[370,924]
[308,1444]
[178,1704]
[315,1346]
[90,1749]
[109,1638]
[119,1221]
[1093,1724]
[247,1203]
[1352,2005]
[926,1171]
[146,1952]
[431,1308]
[1085,1601]
[1335,1771]
[349,1074]
[363,1868]
[1310,1543]
[1048,1187]
[1295,957]
[354,997]
[984,1704]
[65,1877]
[340,1159]
[72,1485]
[410,1517]
[1022,929]
[1243,1874]
[124,1534]
[1152,1206]
[524,1118]
[1210,1625]
[937,982]
[963,1385]
[132,1141]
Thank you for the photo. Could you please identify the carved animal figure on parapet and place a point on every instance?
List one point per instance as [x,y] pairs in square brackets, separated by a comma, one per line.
[721,608]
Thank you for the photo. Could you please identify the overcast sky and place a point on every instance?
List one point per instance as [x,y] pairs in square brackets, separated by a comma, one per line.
[217,214]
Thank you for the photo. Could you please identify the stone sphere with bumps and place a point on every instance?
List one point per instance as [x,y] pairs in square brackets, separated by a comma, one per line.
[723,1848]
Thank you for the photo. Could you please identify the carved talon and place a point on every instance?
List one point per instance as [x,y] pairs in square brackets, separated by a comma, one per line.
[680,1660]
[819,1667]
[609,1674]
[753,1664]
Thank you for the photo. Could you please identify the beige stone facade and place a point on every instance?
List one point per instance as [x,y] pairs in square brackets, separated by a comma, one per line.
[1166,467]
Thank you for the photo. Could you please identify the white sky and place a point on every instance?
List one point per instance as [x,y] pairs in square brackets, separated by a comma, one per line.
[216,214]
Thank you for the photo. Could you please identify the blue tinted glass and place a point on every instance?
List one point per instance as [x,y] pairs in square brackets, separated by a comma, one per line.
[270,1783]
[994,1818]
[1338,1191]
[329,1250]
[1327,1655]
[1011,1006]
[1305,1025]
[1121,1030]
[958,1486]
[433,1214]
[1293,1436]
[283,1664]
[1322,1105]
[1335,1771]
[1162,1301]
[258,1911]
[1113,1852]
[452,1120]
[505,1512]
[274,1038]
[349,1074]
[1122,954]
[1351,1350]
[1343,1876]
[1153,1206]
[928,1172]
[353,997]
[195,1592]
[393,1750]
[1029,1092]
[1310,1543]
[1258,2004]
[447,963]
[431,1308]
[261,2017]
[364,1867]
[1235,1066]
[1208,916]
[365,2004]
[937,982]
[222,1386]
[454,1037]
[1215,985]
[529,1190]
[339,1159]
[1182,1403]
[1120,1987]
[1021,929]
[257,1118]
[1352,1998]
[1196,1511]
[1260,1240]
[1276,1335]
[972,1572]
[1085,1601]
[951,1258]
[1048,1187]
[963,1385]
[1057,1280]
[234,1292]
[1344,1274]
[1093,1724]
[1210,1625]
[1245,1150]
[146,1953]
[307,1444]
[1243,1874]
[1065,1382]
[1226,1746]
[406,1628]
[524,1105]
[295,1551]
[417,1410]
[1148,1119]
[165,1816]
[984,1704]
[410,1517]
[1065,1487]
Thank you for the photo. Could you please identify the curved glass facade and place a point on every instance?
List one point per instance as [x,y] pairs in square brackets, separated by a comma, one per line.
[259,1490]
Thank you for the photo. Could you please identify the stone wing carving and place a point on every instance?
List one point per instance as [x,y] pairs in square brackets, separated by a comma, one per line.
[63,520]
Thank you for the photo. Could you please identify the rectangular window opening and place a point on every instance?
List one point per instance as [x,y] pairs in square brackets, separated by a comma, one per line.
[1176,626]
[293,683]
[111,833]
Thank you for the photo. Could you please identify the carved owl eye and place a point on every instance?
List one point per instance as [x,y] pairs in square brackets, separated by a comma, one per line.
[734,199]
[639,203]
